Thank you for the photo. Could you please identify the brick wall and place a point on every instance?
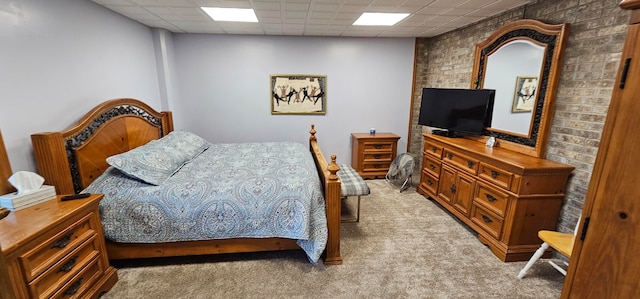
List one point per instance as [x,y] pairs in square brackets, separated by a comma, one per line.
[597,30]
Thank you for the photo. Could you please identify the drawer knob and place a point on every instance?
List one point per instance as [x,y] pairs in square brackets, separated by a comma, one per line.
[66,267]
[434,149]
[432,166]
[494,174]
[377,156]
[74,287]
[450,156]
[490,197]
[377,146]
[471,164]
[453,189]
[429,182]
[377,165]
[486,218]
[62,242]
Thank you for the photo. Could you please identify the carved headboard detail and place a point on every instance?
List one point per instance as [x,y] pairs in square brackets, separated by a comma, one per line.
[71,159]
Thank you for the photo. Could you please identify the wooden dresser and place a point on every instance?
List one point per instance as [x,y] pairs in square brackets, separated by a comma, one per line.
[55,250]
[372,154]
[505,196]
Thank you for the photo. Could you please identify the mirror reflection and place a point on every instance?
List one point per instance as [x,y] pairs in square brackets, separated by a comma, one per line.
[513,71]
[521,61]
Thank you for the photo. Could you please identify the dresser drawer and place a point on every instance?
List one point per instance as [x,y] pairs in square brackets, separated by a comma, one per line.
[433,150]
[47,283]
[491,198]
[487,220]
[376,166]
[495,175]
[369,156]
[80,283]
[431,165]
[463,162]
[378,145]
[60,244]
[429,182]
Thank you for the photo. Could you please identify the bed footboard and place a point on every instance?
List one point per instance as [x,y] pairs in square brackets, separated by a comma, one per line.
[331,185]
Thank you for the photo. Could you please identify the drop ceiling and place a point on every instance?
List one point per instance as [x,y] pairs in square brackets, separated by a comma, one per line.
[313,17]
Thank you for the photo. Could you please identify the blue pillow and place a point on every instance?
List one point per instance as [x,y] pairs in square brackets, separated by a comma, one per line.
[157,160]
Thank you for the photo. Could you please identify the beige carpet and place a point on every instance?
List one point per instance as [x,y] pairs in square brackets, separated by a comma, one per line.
[404,246]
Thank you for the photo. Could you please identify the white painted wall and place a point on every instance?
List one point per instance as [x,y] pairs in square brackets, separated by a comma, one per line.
[58,59]
[225,88]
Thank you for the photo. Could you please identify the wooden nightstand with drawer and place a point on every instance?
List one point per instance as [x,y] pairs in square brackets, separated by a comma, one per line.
[55,249]
[372,154]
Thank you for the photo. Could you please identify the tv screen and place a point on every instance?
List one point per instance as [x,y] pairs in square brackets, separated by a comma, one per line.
[466,111]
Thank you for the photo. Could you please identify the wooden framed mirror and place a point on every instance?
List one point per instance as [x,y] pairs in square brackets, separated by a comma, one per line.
[521,61]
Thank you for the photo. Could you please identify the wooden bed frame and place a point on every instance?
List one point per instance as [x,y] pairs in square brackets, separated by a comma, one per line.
[5,169]
[71,159]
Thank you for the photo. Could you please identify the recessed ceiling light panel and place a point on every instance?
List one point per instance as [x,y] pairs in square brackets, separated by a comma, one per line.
[231,14]
[379,19]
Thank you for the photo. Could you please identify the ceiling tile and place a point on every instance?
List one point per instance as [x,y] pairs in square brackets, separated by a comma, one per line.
[313,17]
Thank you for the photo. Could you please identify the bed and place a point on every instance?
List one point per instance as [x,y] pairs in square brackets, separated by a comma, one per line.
[83,157]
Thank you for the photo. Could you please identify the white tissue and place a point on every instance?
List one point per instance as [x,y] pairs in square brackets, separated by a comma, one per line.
[26,182]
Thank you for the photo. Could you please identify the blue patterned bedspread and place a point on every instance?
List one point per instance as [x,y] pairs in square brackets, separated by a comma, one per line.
[256,190]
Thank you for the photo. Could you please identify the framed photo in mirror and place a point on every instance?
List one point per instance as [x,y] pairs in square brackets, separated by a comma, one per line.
[524,97]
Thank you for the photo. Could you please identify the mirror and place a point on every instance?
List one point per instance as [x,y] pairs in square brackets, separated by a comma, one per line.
[516,64]
[521,61]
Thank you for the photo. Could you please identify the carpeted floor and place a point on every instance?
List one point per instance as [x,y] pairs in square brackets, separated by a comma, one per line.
[404,246]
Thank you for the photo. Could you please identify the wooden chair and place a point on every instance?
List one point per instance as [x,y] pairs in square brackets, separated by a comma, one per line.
[561,242]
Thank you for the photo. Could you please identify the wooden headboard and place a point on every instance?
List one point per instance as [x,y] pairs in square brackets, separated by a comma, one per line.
[71,159]
[5,169]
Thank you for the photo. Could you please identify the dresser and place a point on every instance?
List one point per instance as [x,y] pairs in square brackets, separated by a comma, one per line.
[505,196]
[55,250]
[372,154]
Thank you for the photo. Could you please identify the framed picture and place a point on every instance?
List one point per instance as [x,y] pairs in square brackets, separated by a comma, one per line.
[298,94]
[524,98]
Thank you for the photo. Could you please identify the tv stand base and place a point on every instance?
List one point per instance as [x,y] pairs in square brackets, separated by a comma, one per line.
[446,133]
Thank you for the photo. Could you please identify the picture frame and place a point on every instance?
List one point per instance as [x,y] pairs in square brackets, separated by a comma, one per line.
[298,94]
[525,94]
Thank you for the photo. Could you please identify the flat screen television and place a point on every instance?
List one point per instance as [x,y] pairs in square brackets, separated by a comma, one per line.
[457,111]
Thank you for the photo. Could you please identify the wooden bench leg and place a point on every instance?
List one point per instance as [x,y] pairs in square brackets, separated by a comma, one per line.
[353,220]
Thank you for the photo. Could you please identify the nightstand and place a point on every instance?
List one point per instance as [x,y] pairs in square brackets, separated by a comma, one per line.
[55,249]
[372,154]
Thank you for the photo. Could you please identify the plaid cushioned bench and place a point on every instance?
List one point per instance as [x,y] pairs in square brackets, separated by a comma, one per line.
[352,184]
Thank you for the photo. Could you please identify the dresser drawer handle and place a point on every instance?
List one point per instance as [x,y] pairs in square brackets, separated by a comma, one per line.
[74,287]
[450,156]
[453,189]
[471,164]
[486,218]
[434,149]
[490,197]
[494,174]
[66,267]
[377,165]
[62,242]
[377,146]
[377,156]
[429,182]
[432,166]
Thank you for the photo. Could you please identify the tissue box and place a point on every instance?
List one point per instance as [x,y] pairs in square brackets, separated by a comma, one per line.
[14,202]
